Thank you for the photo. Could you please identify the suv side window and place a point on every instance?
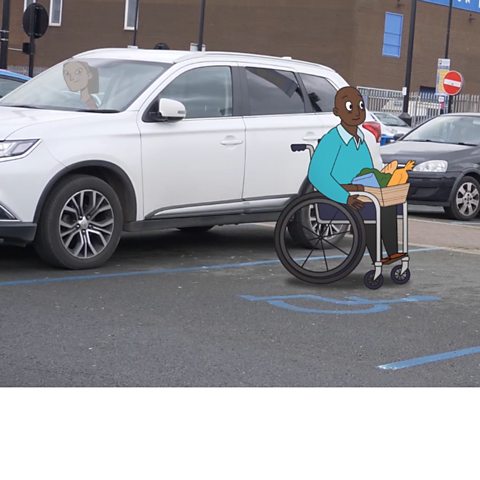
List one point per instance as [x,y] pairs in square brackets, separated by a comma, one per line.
[320,92]
[206,92]
[273,92]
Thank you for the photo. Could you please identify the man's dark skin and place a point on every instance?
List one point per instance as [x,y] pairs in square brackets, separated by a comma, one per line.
[350,108]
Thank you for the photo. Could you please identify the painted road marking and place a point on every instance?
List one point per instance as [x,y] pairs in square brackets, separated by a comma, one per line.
[414,362]
[448,222]
[450,249]
[157,271]
[377,306]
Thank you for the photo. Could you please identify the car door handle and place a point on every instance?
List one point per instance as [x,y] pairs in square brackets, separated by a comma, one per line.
[231,140]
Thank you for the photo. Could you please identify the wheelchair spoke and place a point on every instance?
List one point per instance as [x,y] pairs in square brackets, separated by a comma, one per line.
[324,256]
[311,251]
[337,247]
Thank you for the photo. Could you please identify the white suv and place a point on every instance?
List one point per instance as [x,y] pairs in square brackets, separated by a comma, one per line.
[119,140]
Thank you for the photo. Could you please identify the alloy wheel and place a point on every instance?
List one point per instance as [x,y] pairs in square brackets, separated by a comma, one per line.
[467,199]
[327,230]
[86,224]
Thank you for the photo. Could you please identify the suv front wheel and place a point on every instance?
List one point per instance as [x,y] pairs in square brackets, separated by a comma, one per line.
[80,224]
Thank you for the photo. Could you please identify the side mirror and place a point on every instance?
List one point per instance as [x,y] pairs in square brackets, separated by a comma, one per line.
[398,136]
[171,110]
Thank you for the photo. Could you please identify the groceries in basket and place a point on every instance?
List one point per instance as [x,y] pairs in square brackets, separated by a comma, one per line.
[390,185]
[391,175]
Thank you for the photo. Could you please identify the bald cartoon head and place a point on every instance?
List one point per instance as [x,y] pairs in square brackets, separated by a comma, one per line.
[349,106]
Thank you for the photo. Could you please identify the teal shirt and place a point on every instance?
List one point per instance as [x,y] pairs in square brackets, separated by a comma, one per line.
[338,160]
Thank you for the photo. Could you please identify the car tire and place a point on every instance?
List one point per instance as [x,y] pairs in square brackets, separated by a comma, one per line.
[80,224]
[465,203]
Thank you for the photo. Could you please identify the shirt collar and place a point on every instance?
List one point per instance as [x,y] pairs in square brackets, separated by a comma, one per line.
[346,137]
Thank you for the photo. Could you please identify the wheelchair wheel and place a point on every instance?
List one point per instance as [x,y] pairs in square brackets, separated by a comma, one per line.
[369,281]
[397,276]
[313,263]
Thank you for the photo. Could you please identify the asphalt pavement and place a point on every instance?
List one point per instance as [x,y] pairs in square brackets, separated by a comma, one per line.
[218,309]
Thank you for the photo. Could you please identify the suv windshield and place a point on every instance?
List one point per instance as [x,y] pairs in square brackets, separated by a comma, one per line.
[96,84]
[460,130]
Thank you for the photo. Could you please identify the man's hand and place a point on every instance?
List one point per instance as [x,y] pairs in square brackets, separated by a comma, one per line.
[354,188]
[354,202]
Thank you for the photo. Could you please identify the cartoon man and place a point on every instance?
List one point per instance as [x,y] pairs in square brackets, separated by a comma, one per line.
[80,77]
[340,155]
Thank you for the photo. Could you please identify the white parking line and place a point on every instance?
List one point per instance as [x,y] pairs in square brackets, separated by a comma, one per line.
[446,222]
[457,250]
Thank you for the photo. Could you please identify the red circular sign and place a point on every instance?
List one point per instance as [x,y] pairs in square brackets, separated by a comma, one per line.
[453,82]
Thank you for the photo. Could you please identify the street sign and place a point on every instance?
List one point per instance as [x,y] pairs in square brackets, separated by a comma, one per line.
[35,20]
[443,67]
[453,82]
[35,24]
[469,5]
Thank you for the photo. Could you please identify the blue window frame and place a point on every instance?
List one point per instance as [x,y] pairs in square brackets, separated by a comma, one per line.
[392,38]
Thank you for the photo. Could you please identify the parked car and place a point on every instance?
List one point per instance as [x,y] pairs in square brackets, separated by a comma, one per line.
[119,140]
[10,81]
[392,126]
[447,152]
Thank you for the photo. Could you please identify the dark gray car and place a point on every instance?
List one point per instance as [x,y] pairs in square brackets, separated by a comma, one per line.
[446,150]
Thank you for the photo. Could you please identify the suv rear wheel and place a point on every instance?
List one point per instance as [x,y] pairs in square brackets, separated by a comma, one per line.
[305,230]
[80,224]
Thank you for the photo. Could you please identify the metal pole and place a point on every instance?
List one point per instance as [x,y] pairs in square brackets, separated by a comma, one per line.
[31,55]
[450,8]
[137,6]
[202,24]
[4,34]
[447,44]
[408,72]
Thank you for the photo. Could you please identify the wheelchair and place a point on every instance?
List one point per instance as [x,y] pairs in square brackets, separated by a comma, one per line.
[334,243]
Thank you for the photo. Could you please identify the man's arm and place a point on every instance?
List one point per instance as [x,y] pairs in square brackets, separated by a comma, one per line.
[321,166]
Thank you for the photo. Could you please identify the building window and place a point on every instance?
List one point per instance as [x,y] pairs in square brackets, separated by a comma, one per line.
[27,3]
[130,10]
[56,12]
[392,38]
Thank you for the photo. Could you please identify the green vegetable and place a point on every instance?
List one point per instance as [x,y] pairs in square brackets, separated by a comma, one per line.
[382,178]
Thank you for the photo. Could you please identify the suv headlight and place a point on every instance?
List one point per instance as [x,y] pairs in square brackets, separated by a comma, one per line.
[436,166]
[15,148]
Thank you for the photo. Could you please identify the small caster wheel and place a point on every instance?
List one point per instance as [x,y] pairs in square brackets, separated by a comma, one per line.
[370,282]
[398,277]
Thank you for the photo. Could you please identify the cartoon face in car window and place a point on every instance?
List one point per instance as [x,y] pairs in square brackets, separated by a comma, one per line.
[80,77]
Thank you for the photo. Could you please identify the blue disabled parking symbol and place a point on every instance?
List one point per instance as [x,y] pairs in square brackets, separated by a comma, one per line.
[347,306]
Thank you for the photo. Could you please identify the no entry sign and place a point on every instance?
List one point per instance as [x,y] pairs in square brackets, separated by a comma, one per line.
[452,82]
